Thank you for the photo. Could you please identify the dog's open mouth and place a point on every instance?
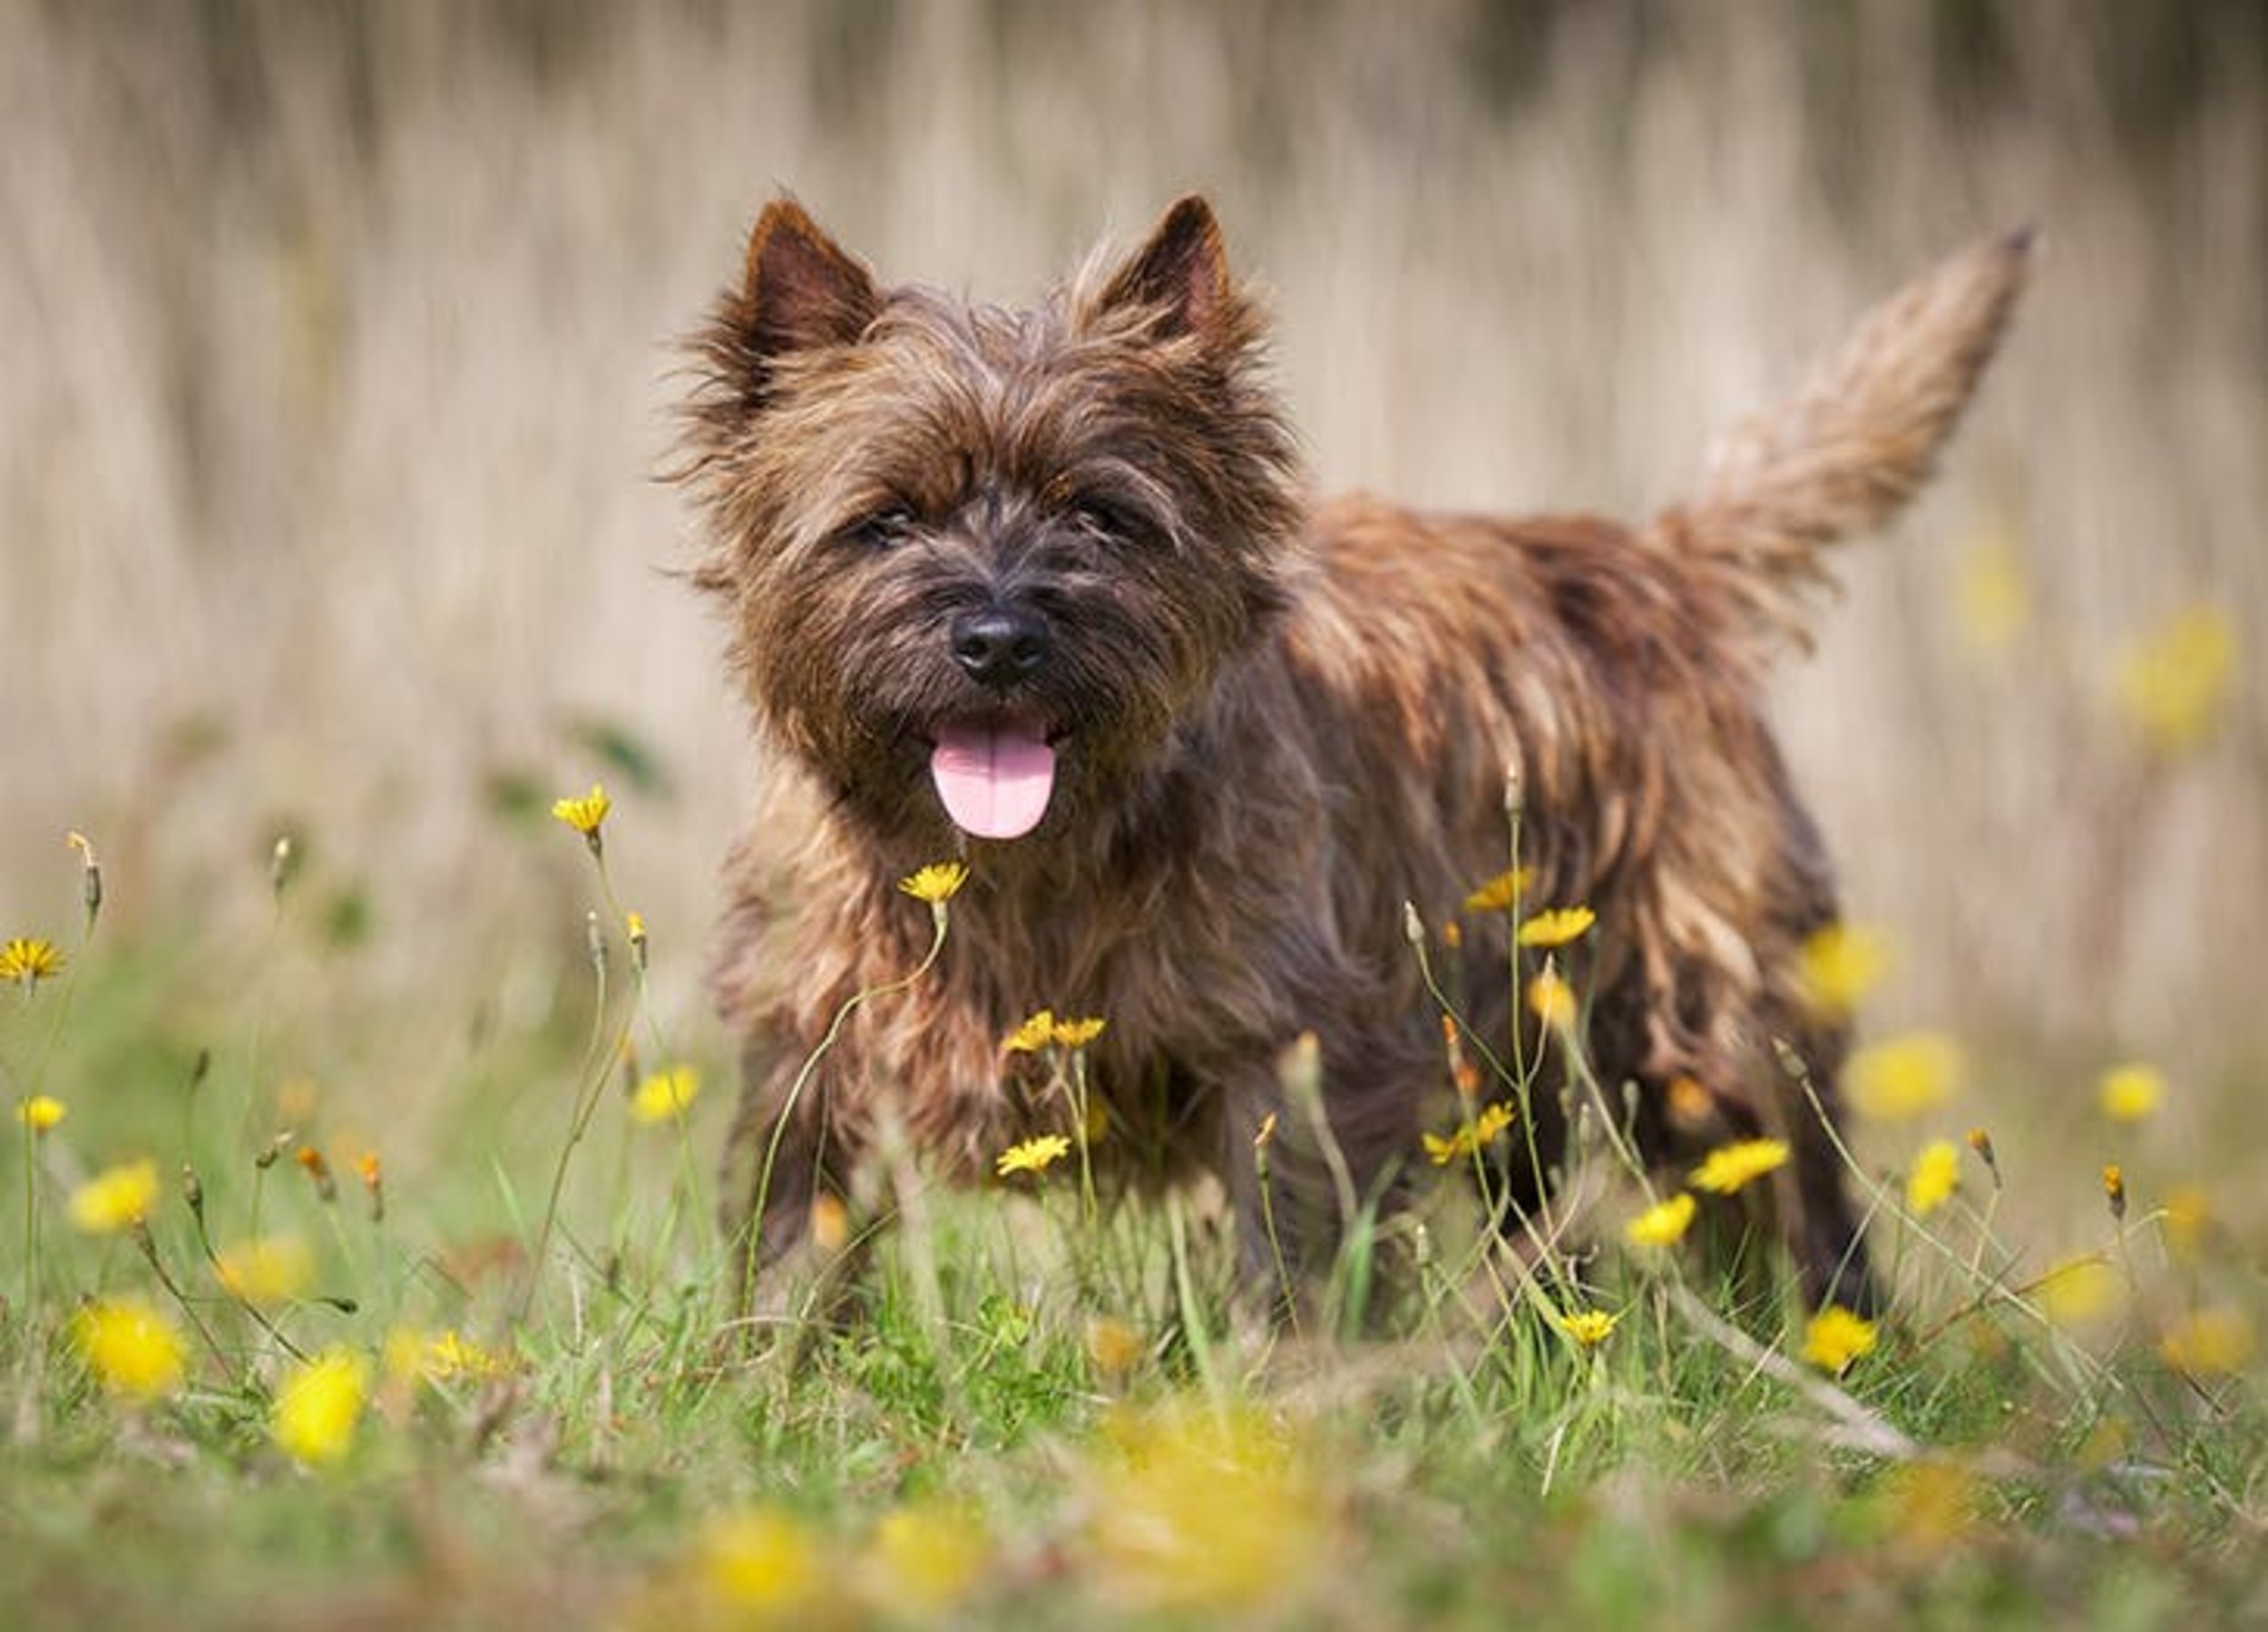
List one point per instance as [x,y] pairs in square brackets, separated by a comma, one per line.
[994,776]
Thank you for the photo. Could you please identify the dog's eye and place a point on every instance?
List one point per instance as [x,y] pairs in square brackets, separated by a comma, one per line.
[1105,519]
[884,529]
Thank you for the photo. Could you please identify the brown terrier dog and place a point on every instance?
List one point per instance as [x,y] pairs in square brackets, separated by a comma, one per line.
[1042,590]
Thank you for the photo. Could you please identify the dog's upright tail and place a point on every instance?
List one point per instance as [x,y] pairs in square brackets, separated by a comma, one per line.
[1848,452]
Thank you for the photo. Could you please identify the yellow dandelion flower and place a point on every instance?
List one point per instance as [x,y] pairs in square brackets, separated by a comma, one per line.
[451,1354]
[1032,1155]
[41,1112]
[1205,1513]
[2185,1220]
[1032,1035]
[2131,1093]
[1556,927]
[267,1269]
[2217,1341]
[2174,681]
[1588,1327]
[1931,1505]
[319,1406]
[926,1555]
[664,1096]
[131,1346]
[1114,1347]
[1691,1106]
[1730,1168]
[1992,592]
[116,1199]
[760,1561]
[586,814]
[1502,892]
[1835,1338]
[937,884]
[830,1222]
[1933,1178]
[412,1355]
[2080,1291]
[1904,1076]
[1552,1001]
[28,960]
[1838,966]
[1077,1033]
[1471,1137]
[1664,1224]
[401,1356]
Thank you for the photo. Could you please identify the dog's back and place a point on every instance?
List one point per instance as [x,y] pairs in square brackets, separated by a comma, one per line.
[1618,674]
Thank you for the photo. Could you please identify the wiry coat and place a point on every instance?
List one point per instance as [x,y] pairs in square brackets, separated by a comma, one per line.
[1278,720]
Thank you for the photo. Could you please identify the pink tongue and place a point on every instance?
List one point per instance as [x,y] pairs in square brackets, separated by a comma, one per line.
[994,783]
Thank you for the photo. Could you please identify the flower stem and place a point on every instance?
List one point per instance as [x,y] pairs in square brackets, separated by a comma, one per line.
[592,1079]
[939,917]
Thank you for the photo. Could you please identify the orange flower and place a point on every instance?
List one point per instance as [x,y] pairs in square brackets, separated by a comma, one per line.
[317,1171]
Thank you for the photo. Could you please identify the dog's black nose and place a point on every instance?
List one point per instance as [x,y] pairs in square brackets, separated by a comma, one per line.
[999,647]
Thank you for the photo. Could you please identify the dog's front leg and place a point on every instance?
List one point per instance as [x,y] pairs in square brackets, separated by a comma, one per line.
[797,1247]
[1307,1186]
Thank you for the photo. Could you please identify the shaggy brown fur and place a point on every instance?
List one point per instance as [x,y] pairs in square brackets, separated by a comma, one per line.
[1275,721]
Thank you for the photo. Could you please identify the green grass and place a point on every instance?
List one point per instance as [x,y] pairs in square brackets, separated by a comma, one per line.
[1047,1410]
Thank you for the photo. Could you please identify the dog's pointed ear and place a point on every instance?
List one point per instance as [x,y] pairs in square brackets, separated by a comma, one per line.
[1180,272]
[801,290]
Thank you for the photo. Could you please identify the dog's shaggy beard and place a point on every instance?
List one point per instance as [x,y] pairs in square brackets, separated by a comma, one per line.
[1118,679]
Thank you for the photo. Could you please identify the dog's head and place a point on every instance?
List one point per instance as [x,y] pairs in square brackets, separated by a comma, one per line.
[980,560]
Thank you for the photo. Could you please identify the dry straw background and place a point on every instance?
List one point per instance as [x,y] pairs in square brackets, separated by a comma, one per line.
[337,374]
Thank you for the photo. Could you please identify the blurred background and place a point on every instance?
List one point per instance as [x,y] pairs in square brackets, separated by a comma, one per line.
[340,365]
